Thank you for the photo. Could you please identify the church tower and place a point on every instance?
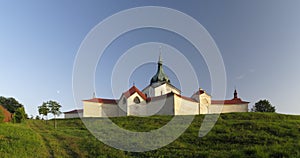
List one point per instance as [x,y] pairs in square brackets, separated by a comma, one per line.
[235,94]
[160,76]
[160,83]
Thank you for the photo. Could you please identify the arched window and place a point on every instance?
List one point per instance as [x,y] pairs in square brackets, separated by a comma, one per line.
[136,100]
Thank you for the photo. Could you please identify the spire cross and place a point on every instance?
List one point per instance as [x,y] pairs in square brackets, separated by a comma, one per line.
[160,51]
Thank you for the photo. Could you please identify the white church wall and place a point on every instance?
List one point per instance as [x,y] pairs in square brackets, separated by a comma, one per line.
[122,104]
[73,115]
[109,110]
[185,107]
[205,102]
[132,107]
[130,100]
[170,89]
[138,110]
[149,91]
[162,106]
[157,106]
[228,108]
[160,90]
[91,109]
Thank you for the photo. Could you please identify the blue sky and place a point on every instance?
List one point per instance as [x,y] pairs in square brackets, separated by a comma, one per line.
[258,40]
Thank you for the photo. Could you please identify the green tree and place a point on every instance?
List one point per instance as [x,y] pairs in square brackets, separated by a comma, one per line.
[44,110]
[54,108]
[11,104]
[263,106]
[19,115]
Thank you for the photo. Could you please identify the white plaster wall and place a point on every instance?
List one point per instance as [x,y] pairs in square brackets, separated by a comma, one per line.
[122,106]
[185,107]
[138,110]
[165,89]
[162,106]
[91,109]
[132,108]
[228,108]
[149,91]
[109,110]
[203,109]
[73,115]
[170,89]
[160,90]
[205,102]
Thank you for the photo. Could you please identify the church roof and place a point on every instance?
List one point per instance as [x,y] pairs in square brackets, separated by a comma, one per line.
[132,90]
[160,75]
[235,100]
[101,100]
[159,84]
[232,101]
[74,111]
[186,98]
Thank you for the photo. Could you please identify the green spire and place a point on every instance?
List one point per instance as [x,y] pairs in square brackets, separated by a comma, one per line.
[160,75]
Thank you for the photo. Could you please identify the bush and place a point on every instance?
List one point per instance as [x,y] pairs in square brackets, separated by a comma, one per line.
[1,116]
[263,106]
[20,115]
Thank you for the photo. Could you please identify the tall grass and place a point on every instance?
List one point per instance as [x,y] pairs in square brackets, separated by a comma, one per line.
[234,135]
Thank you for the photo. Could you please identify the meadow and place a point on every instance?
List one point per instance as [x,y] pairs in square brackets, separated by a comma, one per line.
[234,135]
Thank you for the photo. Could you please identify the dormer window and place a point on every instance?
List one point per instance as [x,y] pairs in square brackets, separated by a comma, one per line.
[136,100]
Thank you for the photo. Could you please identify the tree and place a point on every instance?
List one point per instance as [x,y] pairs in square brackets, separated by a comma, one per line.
[11,104]
[19,115]
[1,116]
[263,106]
[44,109]
[54,108]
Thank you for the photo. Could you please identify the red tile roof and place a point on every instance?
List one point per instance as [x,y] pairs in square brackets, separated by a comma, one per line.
[74,111]
[232,101]
[186,98]
[132,90]
[101,100]
[159,97]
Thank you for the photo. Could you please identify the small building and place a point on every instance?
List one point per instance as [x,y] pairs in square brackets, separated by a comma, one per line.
[6,113]
[74,113]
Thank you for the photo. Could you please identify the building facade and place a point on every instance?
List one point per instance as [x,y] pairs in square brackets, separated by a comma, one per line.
[160,97]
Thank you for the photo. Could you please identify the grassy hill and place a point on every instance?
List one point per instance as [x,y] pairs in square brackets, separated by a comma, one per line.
[235,135]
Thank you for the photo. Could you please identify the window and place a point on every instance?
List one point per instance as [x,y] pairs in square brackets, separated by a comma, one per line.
[124,101]
[136,100]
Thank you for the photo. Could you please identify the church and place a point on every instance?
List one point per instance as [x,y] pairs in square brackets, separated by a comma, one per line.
[160,97]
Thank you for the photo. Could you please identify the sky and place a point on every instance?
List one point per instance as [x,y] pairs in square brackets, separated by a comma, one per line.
[259,42]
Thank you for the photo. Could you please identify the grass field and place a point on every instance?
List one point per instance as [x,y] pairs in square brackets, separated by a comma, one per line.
[235,135]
